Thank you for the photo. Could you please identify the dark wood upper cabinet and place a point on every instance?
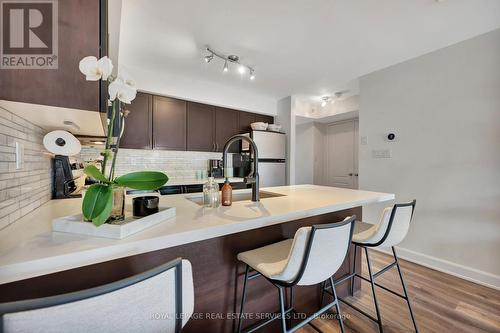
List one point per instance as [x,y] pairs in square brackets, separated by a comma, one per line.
[200,127]
[226,125]
[79,36]
[169,123]
[246,118]
[264,118]
[138,124]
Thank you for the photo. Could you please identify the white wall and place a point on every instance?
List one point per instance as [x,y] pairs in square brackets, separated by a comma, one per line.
[310,153]
[286,118]
[304,153]
[184,87]
[445,110]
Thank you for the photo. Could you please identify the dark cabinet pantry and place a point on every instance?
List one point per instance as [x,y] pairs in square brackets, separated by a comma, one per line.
[169,123]
[200,127]
[157,122]
[138,124]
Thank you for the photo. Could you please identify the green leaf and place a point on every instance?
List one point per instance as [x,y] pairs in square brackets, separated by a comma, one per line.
[96,200]
[92,171]
[143,180]
[106,213]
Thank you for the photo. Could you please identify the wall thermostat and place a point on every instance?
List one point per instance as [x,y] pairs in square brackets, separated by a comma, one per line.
[391,137]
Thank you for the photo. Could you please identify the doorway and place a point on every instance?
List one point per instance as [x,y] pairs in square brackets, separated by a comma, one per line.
[342,154]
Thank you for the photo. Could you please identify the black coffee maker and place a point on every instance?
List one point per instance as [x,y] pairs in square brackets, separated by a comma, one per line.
[62,144]
[63,181]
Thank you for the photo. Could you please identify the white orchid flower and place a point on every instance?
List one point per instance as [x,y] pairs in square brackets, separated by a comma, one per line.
[94,69]
[123,90]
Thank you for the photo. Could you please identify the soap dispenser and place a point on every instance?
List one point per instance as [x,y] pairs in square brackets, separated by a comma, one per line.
[227,194]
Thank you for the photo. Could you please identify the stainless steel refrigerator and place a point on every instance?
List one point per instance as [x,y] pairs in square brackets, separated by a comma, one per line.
[272,157]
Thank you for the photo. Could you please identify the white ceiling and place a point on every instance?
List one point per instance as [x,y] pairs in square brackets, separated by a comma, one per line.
[307,48]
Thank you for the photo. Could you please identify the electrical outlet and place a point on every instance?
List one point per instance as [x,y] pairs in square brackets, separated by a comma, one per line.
[19,155]
[381,153]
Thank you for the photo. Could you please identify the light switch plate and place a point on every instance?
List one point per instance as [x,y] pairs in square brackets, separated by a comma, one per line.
[381,153]
[19,155]
[364,140]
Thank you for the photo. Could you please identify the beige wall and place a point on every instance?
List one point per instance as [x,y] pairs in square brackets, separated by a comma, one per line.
[445,110]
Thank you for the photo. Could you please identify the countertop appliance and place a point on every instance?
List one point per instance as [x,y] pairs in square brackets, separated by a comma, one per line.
[272,156]
[65,174]
[215,168]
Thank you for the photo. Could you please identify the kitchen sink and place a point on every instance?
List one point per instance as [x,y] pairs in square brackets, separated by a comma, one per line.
[237,196]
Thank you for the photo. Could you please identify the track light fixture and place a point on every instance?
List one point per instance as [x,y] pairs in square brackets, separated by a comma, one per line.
[233,59]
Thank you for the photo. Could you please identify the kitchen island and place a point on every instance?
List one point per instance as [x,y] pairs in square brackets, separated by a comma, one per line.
[36,262]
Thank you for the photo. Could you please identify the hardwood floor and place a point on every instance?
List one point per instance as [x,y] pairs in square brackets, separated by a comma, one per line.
[441,303]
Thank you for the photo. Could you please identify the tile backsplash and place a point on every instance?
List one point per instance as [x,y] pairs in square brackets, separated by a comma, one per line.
[178,165]
[22,190]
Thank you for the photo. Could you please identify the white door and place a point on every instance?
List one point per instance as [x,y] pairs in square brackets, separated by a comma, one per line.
[342,154]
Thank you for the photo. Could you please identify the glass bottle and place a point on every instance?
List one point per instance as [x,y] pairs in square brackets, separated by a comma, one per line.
[211,196]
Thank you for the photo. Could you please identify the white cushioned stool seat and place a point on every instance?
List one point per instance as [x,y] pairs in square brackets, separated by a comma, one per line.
[369,235]
[270,260]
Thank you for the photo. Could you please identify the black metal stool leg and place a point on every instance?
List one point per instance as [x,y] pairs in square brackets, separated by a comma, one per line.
[282,309]
[404,289]
[290,306]
[354,269]
[323,286]
[243,298]
[372,283]
[337,306]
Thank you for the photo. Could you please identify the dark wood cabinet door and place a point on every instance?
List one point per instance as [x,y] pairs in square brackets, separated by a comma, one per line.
[200,127]
[169,123]
[226,125]
[138,124]
[78,35]
[246,118]
[264,118]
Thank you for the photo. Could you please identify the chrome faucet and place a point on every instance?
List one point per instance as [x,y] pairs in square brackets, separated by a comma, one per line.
[253,177]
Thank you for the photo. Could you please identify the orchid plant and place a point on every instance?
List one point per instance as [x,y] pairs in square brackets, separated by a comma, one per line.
[98,201]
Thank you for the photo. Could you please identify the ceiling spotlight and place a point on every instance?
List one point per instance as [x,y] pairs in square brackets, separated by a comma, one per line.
[209,58]
[252,75]
[226,68]
[241,69]
[325,100]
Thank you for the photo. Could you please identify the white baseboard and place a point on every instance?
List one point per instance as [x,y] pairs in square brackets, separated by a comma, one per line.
[448,267]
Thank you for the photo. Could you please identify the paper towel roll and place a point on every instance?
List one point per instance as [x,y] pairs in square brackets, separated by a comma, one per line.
[62,143]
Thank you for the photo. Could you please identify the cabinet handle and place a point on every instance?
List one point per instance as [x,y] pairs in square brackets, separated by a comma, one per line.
[351,174]
[213,145]
[216,146]
[356,174]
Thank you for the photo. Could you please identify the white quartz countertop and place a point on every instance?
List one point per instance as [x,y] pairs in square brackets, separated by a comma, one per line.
[174,182]
[29,248]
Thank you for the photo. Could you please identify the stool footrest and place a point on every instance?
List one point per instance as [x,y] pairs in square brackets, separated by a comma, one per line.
[359,310]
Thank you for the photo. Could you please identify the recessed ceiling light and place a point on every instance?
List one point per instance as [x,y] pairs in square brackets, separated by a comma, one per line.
[241,69]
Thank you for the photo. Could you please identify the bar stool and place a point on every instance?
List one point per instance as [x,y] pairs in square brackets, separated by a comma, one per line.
[390,231]
[158,300]
[311,257]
